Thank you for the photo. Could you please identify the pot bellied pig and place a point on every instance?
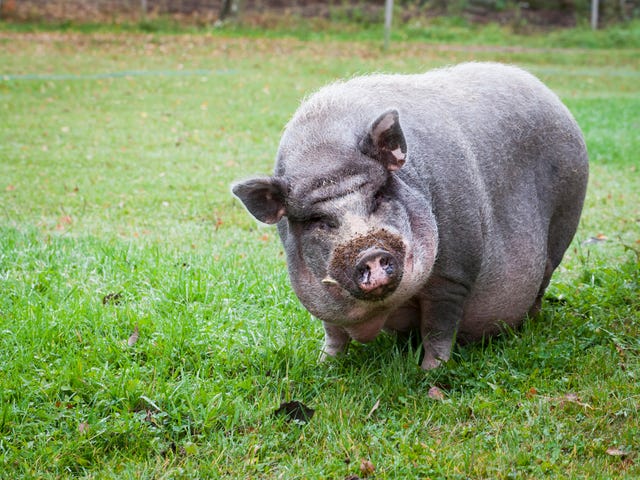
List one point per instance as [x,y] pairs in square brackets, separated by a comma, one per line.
[439,202]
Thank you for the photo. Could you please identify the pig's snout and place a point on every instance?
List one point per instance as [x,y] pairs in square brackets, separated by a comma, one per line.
[376,274]
[369,266]
[375,270]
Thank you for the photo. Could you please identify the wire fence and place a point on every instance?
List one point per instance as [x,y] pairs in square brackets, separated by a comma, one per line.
[554,12]
[104,10]
[100,10]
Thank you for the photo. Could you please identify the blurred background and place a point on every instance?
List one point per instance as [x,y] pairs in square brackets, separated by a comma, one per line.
[269,13]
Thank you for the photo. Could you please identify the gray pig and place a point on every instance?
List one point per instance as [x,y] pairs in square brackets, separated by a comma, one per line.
[439,202]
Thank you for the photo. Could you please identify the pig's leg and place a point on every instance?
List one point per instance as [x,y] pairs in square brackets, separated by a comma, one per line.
[441,315]
[336,340]
[537,305]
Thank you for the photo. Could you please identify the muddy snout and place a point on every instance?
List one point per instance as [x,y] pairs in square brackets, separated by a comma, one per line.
[369,267]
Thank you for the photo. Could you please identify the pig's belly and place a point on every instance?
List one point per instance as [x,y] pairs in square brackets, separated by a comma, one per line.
[502,297]
[405,318]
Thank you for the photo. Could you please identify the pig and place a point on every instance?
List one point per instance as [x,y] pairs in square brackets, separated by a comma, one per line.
[439,203]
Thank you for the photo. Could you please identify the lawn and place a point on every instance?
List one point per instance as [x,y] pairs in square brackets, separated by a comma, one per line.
[148,329]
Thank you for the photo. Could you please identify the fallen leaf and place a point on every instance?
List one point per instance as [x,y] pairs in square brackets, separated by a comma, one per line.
[616,452]
[133,338]
[63,222]
[10,188]
[597,239]
[366,467]
[112,299]
[83,427]
[532,392]
[435,393]
[295,411]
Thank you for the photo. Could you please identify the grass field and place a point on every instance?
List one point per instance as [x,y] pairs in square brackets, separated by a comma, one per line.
[147,326]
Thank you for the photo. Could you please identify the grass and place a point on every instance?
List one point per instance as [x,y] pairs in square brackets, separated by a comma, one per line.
[418,28]
[116,155]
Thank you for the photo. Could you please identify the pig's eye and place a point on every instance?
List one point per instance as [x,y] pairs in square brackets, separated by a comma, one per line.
[320,223]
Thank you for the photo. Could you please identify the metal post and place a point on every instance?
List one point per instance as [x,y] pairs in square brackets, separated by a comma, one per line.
[594,14]
[388,14]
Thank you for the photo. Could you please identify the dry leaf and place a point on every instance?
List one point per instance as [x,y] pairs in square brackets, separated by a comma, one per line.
[112,299]
[83,427]
[133,339]
[295,411]
[63,222]
[435,393]
[366,467]
[597,239]
[616,452]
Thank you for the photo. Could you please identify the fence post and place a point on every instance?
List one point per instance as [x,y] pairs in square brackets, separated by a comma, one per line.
[388,15]
[143,8]
[594,14]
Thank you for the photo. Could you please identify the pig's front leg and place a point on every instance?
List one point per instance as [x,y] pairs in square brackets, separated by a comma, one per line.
[336,340]
[441,314]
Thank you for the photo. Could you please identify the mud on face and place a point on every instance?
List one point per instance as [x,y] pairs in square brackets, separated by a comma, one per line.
[369,266]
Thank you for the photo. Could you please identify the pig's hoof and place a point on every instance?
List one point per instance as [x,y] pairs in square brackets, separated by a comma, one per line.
[436,352]
[429,363]
[331,352]
[323,356]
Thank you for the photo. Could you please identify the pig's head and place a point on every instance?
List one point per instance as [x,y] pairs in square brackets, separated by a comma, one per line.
[360,241]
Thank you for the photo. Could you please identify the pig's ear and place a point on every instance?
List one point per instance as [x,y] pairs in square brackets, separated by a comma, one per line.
[385,141]
[263,197]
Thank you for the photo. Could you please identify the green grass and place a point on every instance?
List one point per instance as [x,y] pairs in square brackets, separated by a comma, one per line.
[419,28]
[115,212]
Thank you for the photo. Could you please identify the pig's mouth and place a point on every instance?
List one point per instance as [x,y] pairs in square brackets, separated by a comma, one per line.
[369,267]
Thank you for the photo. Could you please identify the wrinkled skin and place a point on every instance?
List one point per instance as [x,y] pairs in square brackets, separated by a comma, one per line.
[440,203]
